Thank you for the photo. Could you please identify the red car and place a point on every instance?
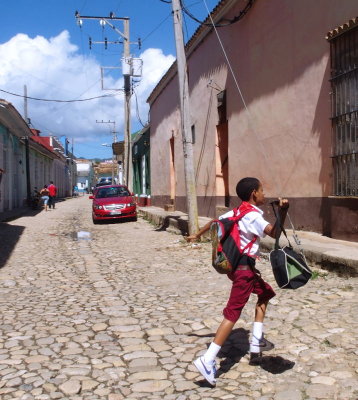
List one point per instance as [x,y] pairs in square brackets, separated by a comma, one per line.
[113,202]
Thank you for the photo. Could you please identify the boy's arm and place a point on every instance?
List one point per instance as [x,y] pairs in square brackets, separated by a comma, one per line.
[272,230]
[197,235]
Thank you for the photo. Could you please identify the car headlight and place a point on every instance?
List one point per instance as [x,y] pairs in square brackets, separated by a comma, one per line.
[98,207]
[130,205]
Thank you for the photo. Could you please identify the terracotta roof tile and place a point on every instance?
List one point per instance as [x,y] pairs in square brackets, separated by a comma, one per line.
[352,23]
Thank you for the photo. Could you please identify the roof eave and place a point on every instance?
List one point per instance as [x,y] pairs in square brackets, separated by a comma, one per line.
[199,35]
[347,26]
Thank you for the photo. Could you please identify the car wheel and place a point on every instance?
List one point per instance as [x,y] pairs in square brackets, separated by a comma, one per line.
[95,221]
[134,219]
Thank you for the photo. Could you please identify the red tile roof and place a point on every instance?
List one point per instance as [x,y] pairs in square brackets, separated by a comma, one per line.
[352,23]
[44,141]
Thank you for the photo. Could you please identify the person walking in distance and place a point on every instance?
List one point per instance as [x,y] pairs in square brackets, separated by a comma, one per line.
[246,279]
[52,196]
[45,195]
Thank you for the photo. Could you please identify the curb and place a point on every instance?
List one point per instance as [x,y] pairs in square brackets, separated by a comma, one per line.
[177,222]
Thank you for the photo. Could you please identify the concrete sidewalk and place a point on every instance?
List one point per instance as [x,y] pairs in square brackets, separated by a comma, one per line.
[10,215]
[332,254]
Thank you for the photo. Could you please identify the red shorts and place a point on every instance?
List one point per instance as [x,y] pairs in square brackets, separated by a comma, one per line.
[244,283]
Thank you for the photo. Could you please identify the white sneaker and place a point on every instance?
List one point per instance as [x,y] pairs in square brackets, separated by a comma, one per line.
[206,369]
[261,345]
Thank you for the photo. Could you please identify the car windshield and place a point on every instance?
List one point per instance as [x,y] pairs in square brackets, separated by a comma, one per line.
[112,192]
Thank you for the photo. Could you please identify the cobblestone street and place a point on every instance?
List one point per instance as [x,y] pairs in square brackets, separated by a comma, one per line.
[122,314]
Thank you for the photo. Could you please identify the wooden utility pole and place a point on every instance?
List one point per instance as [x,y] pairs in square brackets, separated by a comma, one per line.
[114,140]
[127,112]
[124,38]
[185,119]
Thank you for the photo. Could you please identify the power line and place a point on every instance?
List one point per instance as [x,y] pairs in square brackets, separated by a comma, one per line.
[242,13]
[137,110]
[60,101]
[157,27]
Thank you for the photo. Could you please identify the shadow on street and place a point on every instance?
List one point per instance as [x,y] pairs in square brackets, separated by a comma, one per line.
[181,224]
[9,236]
[236,347]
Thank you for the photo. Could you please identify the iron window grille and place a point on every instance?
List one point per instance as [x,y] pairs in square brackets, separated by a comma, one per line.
[344,83]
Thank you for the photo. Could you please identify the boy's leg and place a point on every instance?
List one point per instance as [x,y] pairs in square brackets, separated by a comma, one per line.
[206,363]
[221,335]
[260,310]
[241,289]
[223,331]
[258,342]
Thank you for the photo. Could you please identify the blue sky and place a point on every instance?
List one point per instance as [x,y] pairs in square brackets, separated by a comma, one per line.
[42,47]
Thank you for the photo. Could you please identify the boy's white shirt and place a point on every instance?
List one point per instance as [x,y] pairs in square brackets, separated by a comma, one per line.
[251,225]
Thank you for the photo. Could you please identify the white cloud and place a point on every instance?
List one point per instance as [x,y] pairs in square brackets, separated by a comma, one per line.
[55,69]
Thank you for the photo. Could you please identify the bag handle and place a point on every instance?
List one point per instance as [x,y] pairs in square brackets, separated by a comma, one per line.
[279,224]
[277,242]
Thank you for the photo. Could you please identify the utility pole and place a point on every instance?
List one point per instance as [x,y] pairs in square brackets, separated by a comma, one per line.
[128,174]
[185,119]
[114,133]
[127,74]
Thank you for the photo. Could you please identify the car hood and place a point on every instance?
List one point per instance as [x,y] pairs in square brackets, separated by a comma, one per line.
[114,200]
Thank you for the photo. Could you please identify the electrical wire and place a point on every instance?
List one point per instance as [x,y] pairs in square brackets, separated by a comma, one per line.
[60,101]
[137,109]
[165,1]
[157,27]
[242,13]
[186,28]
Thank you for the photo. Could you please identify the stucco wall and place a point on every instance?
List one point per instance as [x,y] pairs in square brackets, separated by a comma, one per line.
[280,58]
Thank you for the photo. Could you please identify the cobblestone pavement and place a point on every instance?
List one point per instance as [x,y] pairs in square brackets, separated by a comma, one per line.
[122,314]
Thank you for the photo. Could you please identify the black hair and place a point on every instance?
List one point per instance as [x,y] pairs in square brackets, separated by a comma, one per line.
[246,186]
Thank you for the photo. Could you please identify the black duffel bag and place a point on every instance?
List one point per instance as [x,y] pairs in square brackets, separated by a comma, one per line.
[289,267]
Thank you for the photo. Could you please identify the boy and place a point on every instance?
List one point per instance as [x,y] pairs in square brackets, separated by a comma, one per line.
[245,278]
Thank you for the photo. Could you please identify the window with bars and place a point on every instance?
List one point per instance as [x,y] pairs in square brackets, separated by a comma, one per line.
[344,81]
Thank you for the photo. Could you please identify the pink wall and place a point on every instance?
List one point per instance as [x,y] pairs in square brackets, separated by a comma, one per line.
[281,60]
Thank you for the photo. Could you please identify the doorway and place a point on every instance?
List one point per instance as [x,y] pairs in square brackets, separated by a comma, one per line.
[172,171]
[222,165]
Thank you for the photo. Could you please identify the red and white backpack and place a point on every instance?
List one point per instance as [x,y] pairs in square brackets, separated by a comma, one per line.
[226,238]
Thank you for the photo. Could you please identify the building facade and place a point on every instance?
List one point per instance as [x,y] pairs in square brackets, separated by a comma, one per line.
[27,161]
[85,175]
[141,163]
[267,100]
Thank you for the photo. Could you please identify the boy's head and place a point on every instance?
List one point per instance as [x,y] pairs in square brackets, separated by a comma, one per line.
[246,186]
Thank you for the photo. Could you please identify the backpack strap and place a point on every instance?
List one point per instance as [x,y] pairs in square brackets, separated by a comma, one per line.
[249,247]
[237,218]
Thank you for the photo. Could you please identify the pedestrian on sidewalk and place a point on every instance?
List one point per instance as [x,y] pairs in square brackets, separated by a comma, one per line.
[45,195]
[52,196]
[246,279]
